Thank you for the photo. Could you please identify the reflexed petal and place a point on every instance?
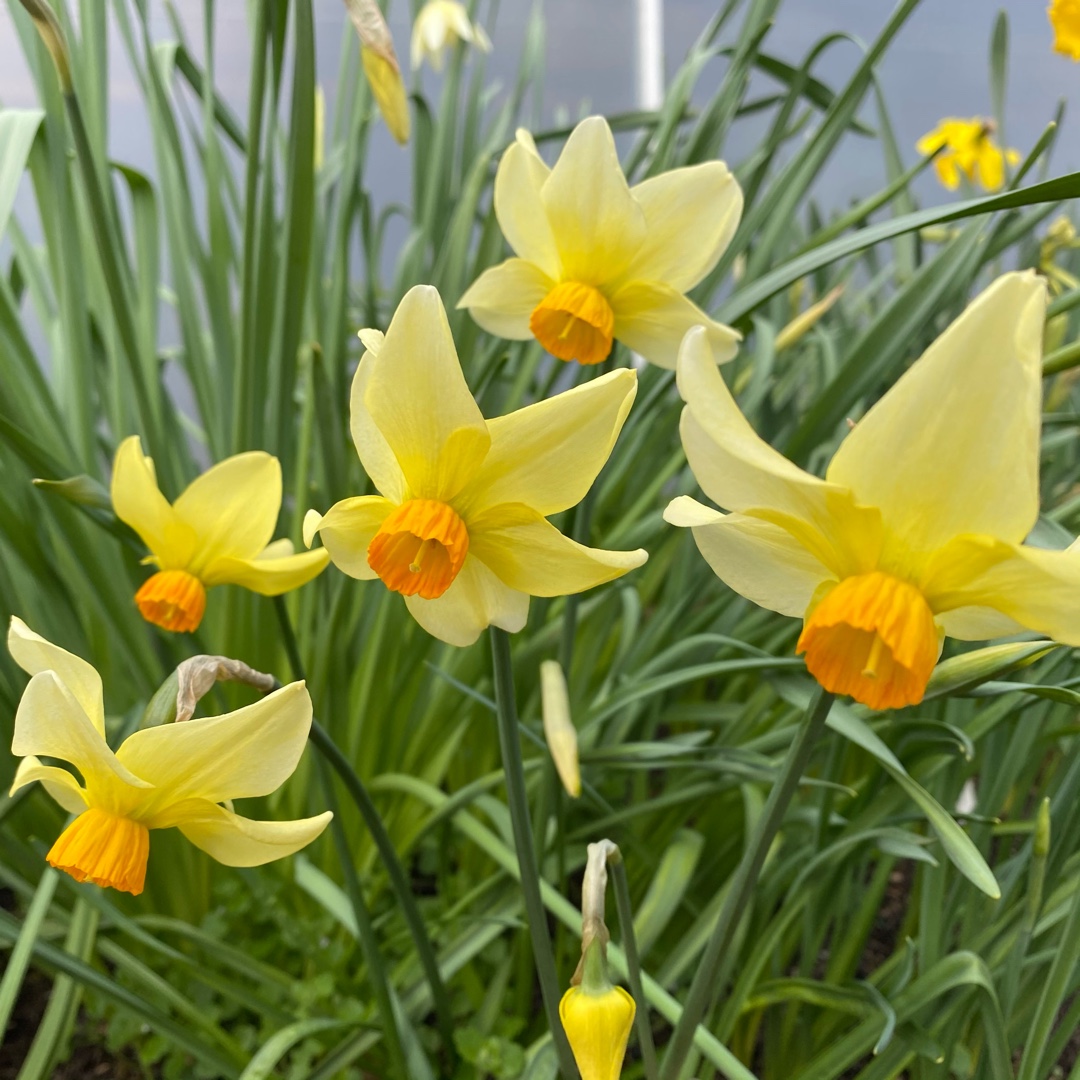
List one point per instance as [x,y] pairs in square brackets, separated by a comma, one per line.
[1032,587]
[50,722]
[59,783]
[33,654]
[418,398]
[268,577]
[598,227]
[239,841]
[138,502]
[502,298]
[757,559]
[691,215]
[520,209]
[529,554]
[233,507]
[476,600]
[346,530]
[652,319]
[375,453]
[953,447]
[547,455]
[245,753]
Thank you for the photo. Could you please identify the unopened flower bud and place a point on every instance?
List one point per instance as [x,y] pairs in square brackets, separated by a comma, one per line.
[559,728]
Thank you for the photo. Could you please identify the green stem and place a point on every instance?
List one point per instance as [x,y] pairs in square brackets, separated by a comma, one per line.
[358,792]
[633,966]
[365,930]
[742,886]
[510,744]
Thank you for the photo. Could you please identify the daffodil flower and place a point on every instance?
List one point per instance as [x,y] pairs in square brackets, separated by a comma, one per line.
[599,261]
[172,776]
[1065,19]
[459,527]
[916,530]
[217,532]
[439,24]
[967,148]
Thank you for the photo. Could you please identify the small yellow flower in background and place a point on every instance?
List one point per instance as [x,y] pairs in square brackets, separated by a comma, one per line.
[217,532]
[173,776]
[559,730]
[459,527]
[439,24]
[970,150]
[599,261]
[381,66]
[916,530]
[1065,19]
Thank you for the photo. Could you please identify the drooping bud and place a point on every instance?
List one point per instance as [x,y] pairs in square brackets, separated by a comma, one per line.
[175,700]
[805,322]
[381,65]
[559,728]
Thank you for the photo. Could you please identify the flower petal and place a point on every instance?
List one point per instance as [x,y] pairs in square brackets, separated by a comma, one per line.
[652,319]
[519,206]
[59,783]
[138,502]
[371,445]
[232,507]
[268,577]
[757,559]
[691,215]
[418,398]
[1033,587]
[476,600]
[547,455]
[953,447]
[346,530]
[33,654]
[239,841]
[502,299]
[529,554]
[245,753]
[597,225]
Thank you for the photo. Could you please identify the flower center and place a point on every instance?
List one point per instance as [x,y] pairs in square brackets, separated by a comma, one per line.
[574,322]
[873,638]
[173,600]
[419,548]
[104,848]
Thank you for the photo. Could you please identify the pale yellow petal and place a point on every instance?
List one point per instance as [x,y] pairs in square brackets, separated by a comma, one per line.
[1033,587]
[502,298]
[268,576]
[597,225]
[138,502]
[33,654]
[59,783]
[418,399]
[530,555]
[239,841]
[547,455]
[953,446]
[232,507]
[277,549]
[757,559]
[691,215]
[371,445]
[476,600]
[652,319]
[245,753]
[520,209]
[346,530]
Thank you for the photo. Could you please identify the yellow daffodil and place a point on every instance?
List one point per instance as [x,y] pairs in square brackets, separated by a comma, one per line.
[916,530]
[599,261]
[969,149]
[176,775]
[1065,19]
[597,1023]
[217,532]
[459,527]
[439,24]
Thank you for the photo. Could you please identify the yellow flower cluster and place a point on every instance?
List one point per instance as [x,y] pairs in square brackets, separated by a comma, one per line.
[966,148]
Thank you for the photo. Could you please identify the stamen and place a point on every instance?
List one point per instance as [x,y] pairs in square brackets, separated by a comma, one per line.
[874,660]
[574,322]
[104,848]
[420,548]
[172,599]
